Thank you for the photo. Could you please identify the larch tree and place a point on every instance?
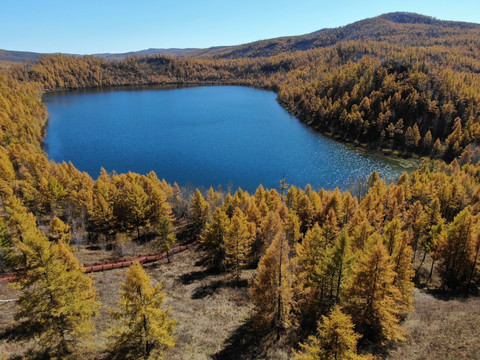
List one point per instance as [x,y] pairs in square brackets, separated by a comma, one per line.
[403,268]
[341,259]
[359,230]
[6,248]
[269,227]
[237,243]
[456,250]
[392,234]
[330,226]
[199,211]
[311,253]
[101,212]
[166,235]
[272,290]
[313,261]
[145,329]
[58,300]
[213,238]
[292,228]
[59,231]
[137,207]
[417,220]
[335,340]
[374,302]
[213,198]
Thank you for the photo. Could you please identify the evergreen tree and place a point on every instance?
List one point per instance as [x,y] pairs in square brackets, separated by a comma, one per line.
[145,330]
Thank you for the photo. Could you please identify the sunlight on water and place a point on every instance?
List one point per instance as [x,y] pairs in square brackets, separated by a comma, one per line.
[205,136]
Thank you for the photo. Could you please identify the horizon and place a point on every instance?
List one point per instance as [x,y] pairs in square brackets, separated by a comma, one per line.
[92,28]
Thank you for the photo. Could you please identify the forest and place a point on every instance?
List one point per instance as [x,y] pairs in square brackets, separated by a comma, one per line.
[334,272]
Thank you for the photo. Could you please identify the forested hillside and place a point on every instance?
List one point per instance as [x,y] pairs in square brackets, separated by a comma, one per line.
[405,29]
[331,267]
[413,99]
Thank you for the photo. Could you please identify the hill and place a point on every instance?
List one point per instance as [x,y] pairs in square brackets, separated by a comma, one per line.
[147,52]
[400,28]
[18,56]
[23,56]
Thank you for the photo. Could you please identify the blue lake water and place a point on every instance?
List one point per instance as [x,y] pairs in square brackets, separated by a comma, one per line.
[205,136]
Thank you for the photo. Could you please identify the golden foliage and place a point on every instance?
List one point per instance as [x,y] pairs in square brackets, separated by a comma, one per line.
[145,329]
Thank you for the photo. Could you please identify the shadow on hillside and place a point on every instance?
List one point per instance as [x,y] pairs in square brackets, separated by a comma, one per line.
[458,294]
[17,332]
[193,276]
[208,290]
[22,333]
[243,344]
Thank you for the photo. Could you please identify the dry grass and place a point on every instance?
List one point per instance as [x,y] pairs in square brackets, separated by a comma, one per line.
[212,315]
[441,328]
[6,318]
[208,308]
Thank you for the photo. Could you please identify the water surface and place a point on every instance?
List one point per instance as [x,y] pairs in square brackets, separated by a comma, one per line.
[205,136]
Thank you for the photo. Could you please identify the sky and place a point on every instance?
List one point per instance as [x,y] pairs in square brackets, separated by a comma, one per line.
[116,26]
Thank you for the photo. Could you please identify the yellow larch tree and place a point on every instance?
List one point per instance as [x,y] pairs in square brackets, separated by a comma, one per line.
[457,250]
[271,290]
[237,243]
[335,340]
[59,231]
[58,300]
[199,211]
[374,302]
[213,239]
[145,329]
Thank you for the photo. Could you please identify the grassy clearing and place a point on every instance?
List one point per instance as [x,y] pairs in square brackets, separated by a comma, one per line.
[209,308]
[441,328]
[212,315]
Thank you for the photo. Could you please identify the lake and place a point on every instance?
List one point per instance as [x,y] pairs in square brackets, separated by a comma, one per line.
[205,136]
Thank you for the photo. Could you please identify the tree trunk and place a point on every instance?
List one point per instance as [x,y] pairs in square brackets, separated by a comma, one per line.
[279,299]
[431,272]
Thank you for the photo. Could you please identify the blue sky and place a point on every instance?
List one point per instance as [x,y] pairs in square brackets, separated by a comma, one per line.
[96,26]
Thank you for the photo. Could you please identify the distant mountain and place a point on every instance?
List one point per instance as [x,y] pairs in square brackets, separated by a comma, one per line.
[22,56]
[400,28]
[18,56]
[148,52]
